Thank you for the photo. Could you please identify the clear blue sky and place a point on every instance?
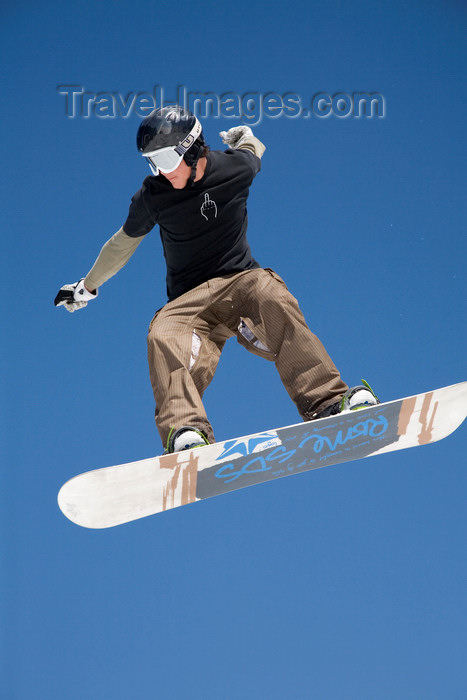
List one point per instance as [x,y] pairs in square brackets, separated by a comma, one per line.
[348,582]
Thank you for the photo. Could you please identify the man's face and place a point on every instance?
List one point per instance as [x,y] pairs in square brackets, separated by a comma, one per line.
[178,177]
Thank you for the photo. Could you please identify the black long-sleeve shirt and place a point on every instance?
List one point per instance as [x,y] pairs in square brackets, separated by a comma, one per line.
[203,228]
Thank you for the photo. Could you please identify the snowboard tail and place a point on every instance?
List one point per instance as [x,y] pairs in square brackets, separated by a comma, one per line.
[115,495]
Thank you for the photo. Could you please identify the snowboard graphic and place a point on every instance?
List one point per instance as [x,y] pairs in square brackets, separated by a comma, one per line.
[115,495]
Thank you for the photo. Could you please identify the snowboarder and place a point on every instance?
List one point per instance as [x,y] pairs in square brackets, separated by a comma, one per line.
[216,289]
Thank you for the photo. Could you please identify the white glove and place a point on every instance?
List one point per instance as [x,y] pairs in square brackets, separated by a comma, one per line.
[235,136]
[74,296]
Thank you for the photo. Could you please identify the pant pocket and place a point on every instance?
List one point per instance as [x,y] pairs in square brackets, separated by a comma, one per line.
[154,319]
[275,276]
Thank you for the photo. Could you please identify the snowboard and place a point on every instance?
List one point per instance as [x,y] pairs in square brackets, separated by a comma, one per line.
[114,495]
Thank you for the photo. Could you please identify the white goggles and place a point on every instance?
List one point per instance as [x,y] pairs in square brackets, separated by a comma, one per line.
[166,160]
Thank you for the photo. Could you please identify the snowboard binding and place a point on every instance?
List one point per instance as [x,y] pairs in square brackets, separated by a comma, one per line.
[361,396]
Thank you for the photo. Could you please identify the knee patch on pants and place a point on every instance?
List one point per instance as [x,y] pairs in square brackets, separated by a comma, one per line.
[195,348]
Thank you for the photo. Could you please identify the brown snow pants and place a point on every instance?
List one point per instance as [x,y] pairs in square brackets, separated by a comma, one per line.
[187,335]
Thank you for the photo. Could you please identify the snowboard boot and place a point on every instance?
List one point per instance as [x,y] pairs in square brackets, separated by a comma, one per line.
[360,396]
[185,438]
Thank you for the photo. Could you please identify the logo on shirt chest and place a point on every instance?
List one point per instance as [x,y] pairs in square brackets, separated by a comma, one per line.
[208,208]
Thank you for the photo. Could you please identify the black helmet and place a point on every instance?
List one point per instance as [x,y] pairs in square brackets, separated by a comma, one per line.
[171,127]
[168,126]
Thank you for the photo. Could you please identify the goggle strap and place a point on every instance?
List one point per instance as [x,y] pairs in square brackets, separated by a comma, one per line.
[189,140]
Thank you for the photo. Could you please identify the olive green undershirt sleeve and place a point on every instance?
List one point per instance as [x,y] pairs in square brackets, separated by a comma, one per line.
[113,256]
[251,143]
